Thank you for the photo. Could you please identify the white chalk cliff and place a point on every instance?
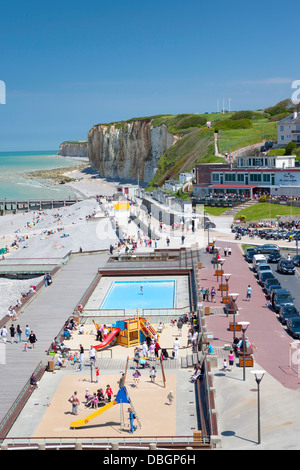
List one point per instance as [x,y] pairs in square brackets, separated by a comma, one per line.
[128,150]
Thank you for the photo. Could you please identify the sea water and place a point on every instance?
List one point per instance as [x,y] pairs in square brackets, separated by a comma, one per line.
[15,185]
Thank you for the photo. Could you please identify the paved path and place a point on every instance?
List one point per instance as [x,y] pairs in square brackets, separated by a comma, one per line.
[265,331]
[45,316]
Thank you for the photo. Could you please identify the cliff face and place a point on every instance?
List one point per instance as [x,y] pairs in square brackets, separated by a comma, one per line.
[74,149]
[128,150]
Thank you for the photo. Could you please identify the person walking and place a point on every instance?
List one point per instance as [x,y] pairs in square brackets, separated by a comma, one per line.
[231,359]
[176,346]
[170,397]
[19,333]
[179,327]
[75,403]
[213,294]
[207,294]
[153,374]
[131,420]
[32,339]
[4,334]
[248,293]
[27,332]
[92,353]
[12,331]
[81,352]
[136,377]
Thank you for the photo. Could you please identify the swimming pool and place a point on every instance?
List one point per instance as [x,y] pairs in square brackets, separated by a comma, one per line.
[140,294]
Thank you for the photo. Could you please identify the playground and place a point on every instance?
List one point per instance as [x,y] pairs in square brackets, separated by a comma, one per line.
[156,416]
[149,399]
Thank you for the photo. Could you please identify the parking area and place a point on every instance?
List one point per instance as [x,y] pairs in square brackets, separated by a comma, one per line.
[287,281]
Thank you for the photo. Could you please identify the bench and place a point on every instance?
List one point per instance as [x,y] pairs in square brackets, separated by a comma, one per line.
[230,307]
[249,362]
[237,327]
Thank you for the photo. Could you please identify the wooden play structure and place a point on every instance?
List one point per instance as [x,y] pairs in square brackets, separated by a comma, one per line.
[128,333]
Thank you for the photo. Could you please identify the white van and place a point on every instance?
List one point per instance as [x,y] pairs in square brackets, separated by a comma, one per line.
[257,259]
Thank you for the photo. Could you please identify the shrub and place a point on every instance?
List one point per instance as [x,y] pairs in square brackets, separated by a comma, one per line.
[228,124]
[263,198]
[242,115]
[193,120]
[290,149]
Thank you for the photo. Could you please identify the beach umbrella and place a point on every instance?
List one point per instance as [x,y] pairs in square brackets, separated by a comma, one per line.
[2,251]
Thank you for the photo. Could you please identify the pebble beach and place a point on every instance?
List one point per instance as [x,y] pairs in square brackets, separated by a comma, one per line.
[55,232]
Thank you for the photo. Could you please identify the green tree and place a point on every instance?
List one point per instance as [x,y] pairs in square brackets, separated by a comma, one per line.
[290,149]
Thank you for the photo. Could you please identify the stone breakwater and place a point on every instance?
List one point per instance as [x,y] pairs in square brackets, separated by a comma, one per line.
[128,150]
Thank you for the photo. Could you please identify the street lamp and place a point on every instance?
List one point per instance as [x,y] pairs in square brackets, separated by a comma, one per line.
[221,261]
[227,277]
[234,299]
[244,325]
[258,377]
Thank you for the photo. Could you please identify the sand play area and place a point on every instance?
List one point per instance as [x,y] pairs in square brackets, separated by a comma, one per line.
[150,402]
[149,399]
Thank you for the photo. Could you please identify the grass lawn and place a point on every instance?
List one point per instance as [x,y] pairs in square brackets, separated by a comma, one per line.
[263,210]
[230,140]
[211,210]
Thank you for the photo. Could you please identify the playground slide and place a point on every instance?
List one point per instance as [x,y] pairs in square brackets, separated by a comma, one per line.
[82,422]
[122,397]
[148,329]
[109,338]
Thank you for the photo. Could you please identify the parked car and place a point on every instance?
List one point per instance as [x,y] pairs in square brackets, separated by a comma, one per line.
[264,276]
[293,327]
[296,260]
[263,268]
[286,266]
[274,288]
[268,248]
[286,312]
[274,257]
[269,144]
[249,253]
[257,259]
[281,297]
[269,282]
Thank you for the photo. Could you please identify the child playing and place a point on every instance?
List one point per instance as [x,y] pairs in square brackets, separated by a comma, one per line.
[170,397]
[153,374]
[136,377]
[108,392]
[225,364]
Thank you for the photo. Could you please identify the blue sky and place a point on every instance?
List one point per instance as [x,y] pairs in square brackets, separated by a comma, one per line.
[70,65]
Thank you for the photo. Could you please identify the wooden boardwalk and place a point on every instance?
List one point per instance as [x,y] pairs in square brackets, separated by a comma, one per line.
[45,316]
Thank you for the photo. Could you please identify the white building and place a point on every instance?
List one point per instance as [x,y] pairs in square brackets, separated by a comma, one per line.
[288,130]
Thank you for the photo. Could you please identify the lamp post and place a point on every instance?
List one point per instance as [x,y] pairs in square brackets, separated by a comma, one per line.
[234,299]
[227,277]
[244,325]
[221,261]
[258,377]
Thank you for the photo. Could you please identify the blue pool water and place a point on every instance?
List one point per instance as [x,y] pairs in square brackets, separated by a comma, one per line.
[140,294]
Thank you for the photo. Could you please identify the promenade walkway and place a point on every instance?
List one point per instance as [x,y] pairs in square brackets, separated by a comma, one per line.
[45,317]
[265,331]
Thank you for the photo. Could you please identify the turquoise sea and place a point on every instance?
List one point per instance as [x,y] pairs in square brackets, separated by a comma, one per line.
[13,168]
